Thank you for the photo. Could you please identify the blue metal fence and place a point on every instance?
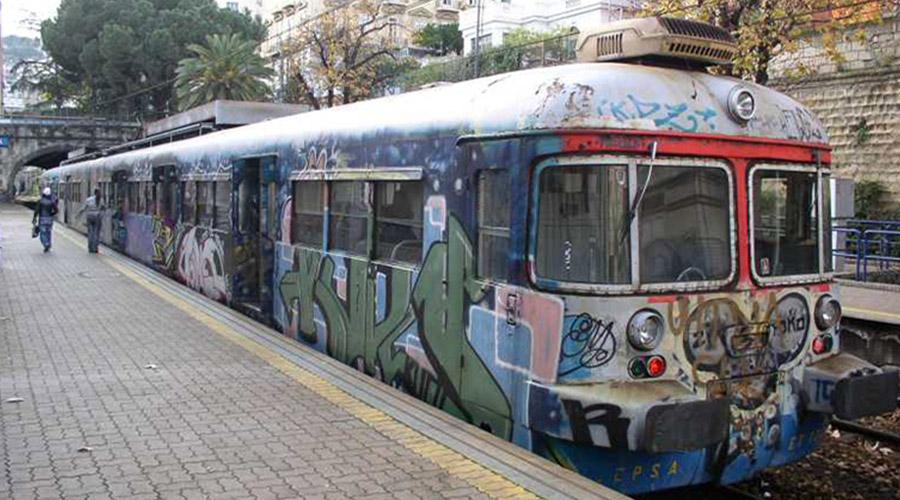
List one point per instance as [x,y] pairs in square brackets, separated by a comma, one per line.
[869,243]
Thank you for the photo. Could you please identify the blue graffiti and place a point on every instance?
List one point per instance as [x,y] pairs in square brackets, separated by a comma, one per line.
[679,116]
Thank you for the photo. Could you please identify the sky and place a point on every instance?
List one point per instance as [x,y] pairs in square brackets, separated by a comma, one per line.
[15,13]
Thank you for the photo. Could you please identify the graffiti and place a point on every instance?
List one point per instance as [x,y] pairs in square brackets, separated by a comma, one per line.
[164,236]
[319,159]
[801,124]
[201,263]
[588,343]
[678,116]
[720,338]
[419,345]
[588,422]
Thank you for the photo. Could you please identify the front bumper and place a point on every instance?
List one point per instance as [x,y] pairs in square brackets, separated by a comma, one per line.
[849,388]
[656,417]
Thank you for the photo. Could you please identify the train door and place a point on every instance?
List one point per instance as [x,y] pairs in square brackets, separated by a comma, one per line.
[255,199]
[117,209]
[67,200]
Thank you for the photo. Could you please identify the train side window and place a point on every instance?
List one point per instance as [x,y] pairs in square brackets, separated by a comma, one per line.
[205,204]
[308,221]
[172,199]
[493,224]
[348,217]
[223,206]
[188,202]
[398,221]
[133,198]
[147,198]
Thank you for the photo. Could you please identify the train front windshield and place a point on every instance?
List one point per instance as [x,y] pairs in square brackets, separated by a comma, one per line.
[586,224]
[786,229]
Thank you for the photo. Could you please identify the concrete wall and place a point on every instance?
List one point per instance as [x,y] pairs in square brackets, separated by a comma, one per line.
[858,101]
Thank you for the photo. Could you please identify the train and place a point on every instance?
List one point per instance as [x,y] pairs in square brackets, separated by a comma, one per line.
[621,264]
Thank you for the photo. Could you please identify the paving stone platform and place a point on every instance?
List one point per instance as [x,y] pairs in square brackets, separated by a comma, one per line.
[118,383]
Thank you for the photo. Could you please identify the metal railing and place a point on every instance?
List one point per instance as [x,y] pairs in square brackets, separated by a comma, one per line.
[551,51]
[870,244]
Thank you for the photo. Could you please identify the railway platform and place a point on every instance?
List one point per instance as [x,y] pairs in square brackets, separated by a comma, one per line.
[871,301]
[116,382]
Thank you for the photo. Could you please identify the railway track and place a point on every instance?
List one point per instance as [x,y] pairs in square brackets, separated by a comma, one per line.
[879,435]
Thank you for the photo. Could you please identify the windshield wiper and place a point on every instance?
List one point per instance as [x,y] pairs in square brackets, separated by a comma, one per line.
[636,204]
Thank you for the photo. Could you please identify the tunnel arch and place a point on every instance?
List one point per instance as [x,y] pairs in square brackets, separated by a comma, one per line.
[46,157]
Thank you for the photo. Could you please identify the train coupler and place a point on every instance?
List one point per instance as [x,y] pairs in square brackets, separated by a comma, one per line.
[849,387]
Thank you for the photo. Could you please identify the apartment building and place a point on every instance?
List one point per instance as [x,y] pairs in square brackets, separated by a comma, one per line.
[486,22]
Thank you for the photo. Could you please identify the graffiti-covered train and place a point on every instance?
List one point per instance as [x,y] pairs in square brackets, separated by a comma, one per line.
[622,264]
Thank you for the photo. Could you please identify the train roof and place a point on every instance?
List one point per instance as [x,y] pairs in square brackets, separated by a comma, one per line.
[575,96]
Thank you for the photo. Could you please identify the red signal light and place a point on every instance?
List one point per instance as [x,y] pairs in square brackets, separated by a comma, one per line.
[822,344]
[656,366]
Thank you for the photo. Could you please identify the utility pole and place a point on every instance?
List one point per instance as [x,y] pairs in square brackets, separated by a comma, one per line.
[477,47]
[2,65]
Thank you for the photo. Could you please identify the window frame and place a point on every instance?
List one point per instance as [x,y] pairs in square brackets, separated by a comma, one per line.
[373,208]
[490,230]
[324,203]
[631,162]
[793,279]
[370,217]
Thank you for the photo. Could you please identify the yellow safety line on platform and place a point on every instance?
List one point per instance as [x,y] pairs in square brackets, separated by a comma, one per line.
[485,480]
[871,312]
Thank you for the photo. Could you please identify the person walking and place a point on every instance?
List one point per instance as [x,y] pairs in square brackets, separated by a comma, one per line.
[43,217]
[93,209]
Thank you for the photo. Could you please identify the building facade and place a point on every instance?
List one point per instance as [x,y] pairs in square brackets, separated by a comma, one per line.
[489,20]
[284,19]
[255,7]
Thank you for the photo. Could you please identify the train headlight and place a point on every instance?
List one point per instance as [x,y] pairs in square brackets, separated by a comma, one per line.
[645,330]
[741,104]
[828,312]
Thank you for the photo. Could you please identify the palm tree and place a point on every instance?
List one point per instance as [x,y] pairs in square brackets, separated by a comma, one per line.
[227,67]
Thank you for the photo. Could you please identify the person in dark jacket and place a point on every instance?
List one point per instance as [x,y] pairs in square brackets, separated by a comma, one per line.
[43,217]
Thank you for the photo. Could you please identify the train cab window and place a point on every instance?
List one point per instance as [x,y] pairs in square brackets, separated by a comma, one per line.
[685,224]
[398,221]
[785,222]
[223,206]
[348,217]
[188,202]
[582,233]
[205,204]
[493,224]
[308,221]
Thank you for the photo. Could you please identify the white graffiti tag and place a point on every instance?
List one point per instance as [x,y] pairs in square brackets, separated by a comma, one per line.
[201,264]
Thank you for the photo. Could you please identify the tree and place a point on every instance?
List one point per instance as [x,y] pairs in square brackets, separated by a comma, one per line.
[227,67]
[341,56]
[46,79]
[113,51]
[523,48]
[441,38]
[765,29]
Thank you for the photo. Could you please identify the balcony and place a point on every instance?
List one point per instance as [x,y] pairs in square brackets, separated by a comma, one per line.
[446,10]
[392,7]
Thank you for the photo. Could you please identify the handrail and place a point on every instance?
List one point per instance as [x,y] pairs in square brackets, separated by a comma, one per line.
[879,245]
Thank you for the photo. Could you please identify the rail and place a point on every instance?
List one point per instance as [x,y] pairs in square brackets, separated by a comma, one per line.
[869,243]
